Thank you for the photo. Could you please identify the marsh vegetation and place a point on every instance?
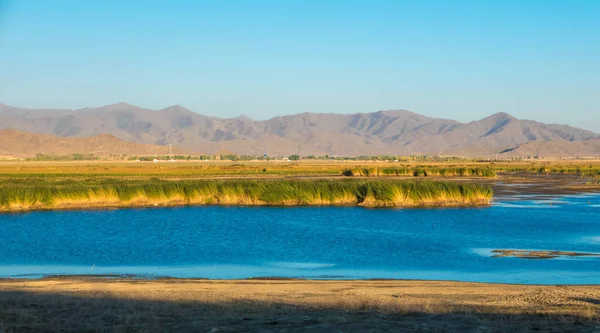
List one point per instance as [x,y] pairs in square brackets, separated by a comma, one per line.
[44,185]
[422,171]
[41,193]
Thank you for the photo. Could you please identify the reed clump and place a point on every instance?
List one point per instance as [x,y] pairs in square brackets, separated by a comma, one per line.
[422,171]
[275,192]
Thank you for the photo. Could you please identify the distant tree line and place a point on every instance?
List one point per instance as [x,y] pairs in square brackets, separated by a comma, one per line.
[71,157]
[293,157]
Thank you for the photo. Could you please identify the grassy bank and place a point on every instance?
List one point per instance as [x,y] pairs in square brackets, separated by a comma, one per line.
[39,193]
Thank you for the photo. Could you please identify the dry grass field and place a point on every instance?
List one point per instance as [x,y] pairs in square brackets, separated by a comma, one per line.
[305,168]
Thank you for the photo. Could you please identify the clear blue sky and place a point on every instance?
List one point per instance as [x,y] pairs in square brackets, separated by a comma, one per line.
[456,59]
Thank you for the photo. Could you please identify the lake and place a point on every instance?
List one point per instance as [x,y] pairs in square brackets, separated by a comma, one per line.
[311,242]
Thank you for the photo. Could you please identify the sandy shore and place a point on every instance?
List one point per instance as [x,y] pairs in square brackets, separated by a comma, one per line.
[130,305]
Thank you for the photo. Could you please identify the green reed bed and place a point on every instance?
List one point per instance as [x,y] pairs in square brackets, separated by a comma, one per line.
[582,170]
[44,194]
[422,171]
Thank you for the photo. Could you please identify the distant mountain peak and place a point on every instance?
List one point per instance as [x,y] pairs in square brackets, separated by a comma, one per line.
[105,136]
[397,113]
[121,104]
[176,108]
[118,106]
[502,115]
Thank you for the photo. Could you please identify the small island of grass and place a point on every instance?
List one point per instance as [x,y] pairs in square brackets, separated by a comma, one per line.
[541,254]
[98,192]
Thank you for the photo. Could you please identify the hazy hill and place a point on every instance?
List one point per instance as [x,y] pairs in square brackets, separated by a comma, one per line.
[14,143]
[586,148]
[383,132]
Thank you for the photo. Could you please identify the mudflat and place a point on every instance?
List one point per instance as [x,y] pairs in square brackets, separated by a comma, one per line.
[94,304]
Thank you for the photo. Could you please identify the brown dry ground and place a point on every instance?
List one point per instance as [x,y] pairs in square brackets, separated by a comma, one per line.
[128,305]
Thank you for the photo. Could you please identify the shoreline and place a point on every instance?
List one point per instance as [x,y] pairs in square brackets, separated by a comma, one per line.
[266,305]
[133,278]
[87,206]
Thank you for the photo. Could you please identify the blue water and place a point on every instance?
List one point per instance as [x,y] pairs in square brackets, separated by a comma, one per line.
[310,242]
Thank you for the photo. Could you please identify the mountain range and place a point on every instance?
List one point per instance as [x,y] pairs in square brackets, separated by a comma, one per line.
[393,132]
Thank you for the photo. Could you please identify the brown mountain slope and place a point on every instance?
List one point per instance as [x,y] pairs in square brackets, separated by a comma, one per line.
[500,132]
[564,148]
[383,132]
[15,143]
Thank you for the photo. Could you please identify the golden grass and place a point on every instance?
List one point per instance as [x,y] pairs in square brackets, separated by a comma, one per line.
[44,194]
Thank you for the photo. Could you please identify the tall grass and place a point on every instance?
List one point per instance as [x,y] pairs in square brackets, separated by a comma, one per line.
[114,193]
[422,171]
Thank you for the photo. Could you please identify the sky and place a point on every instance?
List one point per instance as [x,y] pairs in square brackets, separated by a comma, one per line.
[463,60]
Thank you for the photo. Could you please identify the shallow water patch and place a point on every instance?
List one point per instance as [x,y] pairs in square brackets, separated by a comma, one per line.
[301,265]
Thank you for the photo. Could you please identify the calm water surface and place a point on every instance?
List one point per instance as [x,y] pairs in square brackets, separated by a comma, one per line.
[310,242]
